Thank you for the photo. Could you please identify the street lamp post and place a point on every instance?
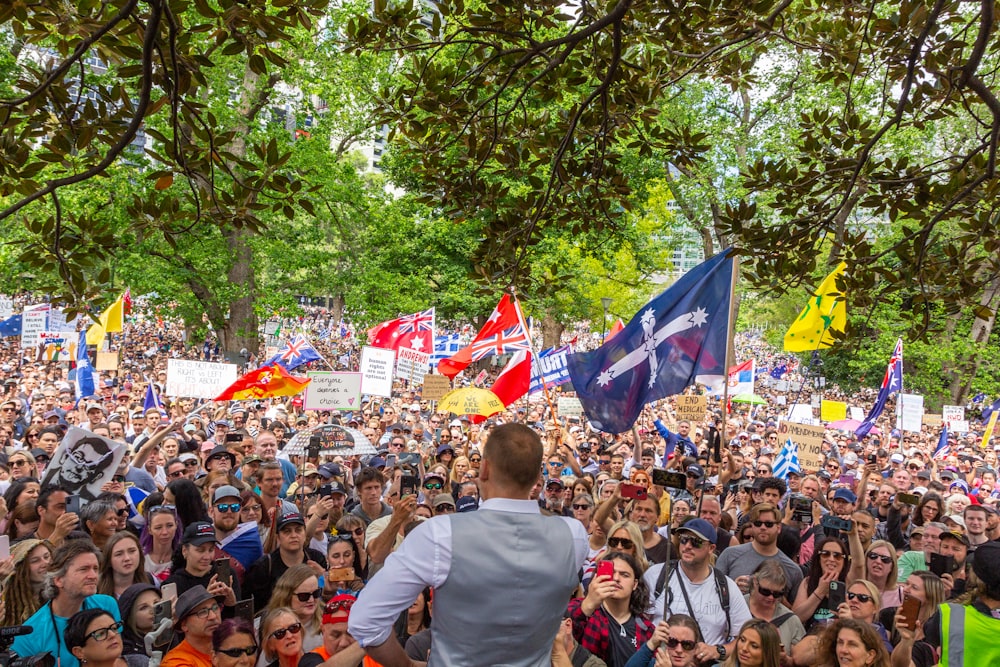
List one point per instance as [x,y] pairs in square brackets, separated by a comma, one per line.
[606,302]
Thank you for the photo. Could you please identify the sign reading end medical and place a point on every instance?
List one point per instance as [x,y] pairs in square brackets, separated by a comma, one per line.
[198,379]
[332,391]
[376,371]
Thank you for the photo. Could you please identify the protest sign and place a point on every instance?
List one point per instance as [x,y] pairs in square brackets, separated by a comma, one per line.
[376,371]
[911,412]
[59,322]
[781,385]
[435,386]
[952,413]
[411,364]
[480,378]
[959,426]
[809,440]
[934,421]
[83,463]
[691,408]
[58,345]
[107,361]
[831,411]
[6,307]
[332,391]
[569,406]
[549,364]
[198,379]
[34,320]
[857,414]
[802,413]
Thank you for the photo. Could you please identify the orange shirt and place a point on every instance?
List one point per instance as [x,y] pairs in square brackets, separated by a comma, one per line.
[185,655]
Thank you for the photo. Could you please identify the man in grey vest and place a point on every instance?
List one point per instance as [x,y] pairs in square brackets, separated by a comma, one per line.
[502,576]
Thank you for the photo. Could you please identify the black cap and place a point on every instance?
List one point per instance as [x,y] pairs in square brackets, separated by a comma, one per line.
[337,487]
[330,470]
[199,532]
[986,564]
[289,519]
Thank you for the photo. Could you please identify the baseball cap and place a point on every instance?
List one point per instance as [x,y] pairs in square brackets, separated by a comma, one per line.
[455,423]
[696,470]
[199,532]
[443,499]
[701,528]
[208,446]
[376,462]
[555,481]
[309,470]
[947,474]
[189,601]
[94,406]
[897,458]
[225,492]
[253,458]
[337,487]
[289,519]
[445,448]
[329,471]
[845,494]
[986,564]
[467,504]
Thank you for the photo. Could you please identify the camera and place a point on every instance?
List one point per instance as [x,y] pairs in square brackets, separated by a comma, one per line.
[10,659]
[801,508]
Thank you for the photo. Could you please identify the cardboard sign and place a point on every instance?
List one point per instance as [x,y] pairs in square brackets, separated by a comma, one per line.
[83,463]
[801,413]
[911,413]
[692,408]
[831,411]
[332,391]
[933,421]
[960,426]
[435,387]
[6,307]
[569,406]
[952,413]
[107,361]
[411,364]
[857,414]
[809,440]
[376,371]
[34,320]
[198,379]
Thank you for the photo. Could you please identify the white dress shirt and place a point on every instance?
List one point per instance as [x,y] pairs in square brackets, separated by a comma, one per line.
[424,559]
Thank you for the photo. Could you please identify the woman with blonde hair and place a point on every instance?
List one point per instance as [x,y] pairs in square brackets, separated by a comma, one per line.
[22,589]
[298,590]
[280,638]
[877,565]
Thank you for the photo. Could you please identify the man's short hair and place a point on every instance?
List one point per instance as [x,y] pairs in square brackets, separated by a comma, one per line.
[369,474]
[763,483]
[54,430]
[762,508]
[975,508]
[514,453]
[46,492]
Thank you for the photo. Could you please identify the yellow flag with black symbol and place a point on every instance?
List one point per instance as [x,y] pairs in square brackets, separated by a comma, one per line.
[826,311]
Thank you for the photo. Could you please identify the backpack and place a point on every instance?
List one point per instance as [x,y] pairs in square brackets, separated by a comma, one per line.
[721,589]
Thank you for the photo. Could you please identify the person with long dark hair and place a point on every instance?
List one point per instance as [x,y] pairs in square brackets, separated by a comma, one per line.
[830,562]
[160,537]
[611,621]
[192,565]
[186,497]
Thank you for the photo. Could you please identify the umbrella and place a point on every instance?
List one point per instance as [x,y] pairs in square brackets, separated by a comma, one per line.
[849,425]
[752,399]
[471,401]
[334,440]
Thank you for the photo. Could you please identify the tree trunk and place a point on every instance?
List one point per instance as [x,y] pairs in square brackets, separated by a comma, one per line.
[552,331]
[336,306]
[982,328]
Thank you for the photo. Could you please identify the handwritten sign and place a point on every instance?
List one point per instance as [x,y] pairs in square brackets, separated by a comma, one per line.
[332,391]
[411,364]
[570,406]
[952,413]
[6,307]
[376,371]
[809,440]
[435,387]
[58,345]
[911,412]
[934,421]
[34,320]
[802,413]
[198,379]
[691,408]
[59,322]
[857,414]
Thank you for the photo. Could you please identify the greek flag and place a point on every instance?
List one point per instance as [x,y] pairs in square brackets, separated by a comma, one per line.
[787,460]
[444,347]
[324,334]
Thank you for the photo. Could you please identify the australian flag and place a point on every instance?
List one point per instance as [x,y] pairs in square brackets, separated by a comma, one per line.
[296,352]
[778,371]
[676,340]
[84,370]
[893,381]
[988,410]
[11,326]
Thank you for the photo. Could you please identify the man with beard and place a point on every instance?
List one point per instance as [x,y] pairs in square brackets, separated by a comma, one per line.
[644,512]
[240,543]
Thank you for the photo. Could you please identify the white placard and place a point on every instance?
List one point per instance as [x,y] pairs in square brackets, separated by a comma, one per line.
[960,426]
[34,320]
[781,400]
[952,413]
[816,401]
[332,391]
[411,364]
[376,371]
[802,413]
[570,406]
[781,385]
[6,307]
[198,379]
[911,415]
[59,345]
[59,322]
[857,414]
[83,463]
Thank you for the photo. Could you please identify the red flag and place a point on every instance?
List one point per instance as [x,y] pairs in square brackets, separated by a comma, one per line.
[615,328]
[514,379]
[127,301]
[415,331]
[502,333]
[264,382]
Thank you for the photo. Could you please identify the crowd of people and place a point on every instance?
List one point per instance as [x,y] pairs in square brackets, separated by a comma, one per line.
[522,539]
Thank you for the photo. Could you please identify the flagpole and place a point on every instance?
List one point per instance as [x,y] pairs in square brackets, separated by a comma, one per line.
[531,351]
[730,343]
[316,350]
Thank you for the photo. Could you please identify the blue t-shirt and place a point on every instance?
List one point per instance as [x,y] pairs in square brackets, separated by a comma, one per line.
[44,638]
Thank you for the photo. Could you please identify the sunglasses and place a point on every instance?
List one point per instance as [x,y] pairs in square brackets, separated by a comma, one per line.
[695,542]
[239,652]
[190,463]
[685,644]
[765,524]
[122,512]
[229,507]
[343,537]
[769,593]
[762,471]
[475,459]
[294,628]
[884,559]
[118,479]
[859,596]
[20,462]
[620,543]
[175,474]
[444,508]
[555,464]
[339,605]
[104,633]
[583,506]
[312,595]
[832,554]
[604,462]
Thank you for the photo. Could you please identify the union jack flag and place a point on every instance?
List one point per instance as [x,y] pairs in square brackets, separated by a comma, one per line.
[422,321]
[508,340]
[296,352]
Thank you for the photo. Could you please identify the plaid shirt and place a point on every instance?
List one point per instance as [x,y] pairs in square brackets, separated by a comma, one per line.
[592,632]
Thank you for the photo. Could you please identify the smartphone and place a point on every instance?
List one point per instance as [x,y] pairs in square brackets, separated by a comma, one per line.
[837,595]
[161,610]
[244,610]
[220,566]
[941,565]
[4,547]
[342,574]
[390,460]
[410,458]
[437,434]
[836,523]
[73,504]
[168,591]
[325,490]
[910,610]
[314,446]
[234,437]
[605,568]
[634,491]
[668,479]
[716,442]
[407,485]
[908,498]
[872,459]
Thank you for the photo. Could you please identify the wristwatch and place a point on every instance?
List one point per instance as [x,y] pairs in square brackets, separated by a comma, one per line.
[721,648]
